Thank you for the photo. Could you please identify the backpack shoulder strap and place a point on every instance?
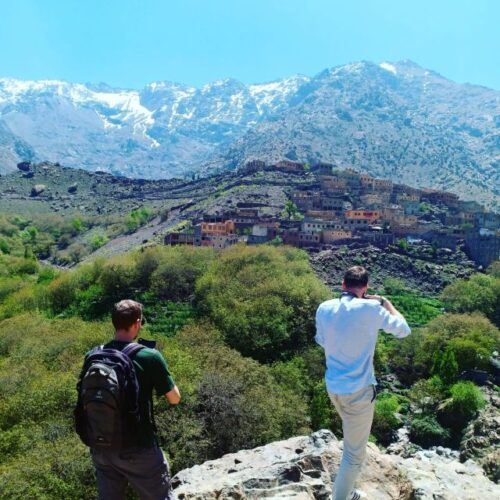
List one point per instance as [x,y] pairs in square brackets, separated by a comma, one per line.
[130,349]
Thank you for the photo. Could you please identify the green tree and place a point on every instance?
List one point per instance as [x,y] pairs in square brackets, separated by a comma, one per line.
[263,299]
[291,210]
[454,332]
[446,366]
[481,292]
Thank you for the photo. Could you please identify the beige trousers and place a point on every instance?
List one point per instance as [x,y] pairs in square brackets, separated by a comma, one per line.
[356,411]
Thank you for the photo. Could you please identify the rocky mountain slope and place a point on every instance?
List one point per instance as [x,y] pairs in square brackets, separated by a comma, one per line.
[393,120]
[302,468]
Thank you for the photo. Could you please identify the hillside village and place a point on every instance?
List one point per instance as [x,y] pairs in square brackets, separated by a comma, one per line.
[335,207]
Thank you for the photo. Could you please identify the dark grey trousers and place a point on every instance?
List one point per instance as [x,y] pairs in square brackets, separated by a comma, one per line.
[146,469]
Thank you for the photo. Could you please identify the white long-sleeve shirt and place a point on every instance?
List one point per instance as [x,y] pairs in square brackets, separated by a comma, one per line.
[347,329]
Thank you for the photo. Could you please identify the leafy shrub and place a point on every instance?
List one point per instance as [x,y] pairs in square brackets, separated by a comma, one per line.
[174,278]
[98,240]
[385,420]
[444,332]
[426,431]
[4,246]
[466,399]
[263,299]
[446,366]
[427,394]
[480,292]
[394,286]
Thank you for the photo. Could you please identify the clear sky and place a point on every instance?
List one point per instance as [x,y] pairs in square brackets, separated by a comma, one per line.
[128,43]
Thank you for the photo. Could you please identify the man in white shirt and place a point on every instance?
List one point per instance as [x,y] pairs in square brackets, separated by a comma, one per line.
[347,329]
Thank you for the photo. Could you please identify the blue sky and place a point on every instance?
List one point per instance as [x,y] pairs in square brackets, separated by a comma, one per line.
[128,43]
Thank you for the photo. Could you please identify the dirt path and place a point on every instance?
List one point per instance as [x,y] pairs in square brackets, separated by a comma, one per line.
[152,231]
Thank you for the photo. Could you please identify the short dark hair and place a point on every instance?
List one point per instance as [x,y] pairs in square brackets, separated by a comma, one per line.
[356,277]
[125,313]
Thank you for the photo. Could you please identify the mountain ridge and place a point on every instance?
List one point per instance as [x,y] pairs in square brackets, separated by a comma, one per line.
[393,119]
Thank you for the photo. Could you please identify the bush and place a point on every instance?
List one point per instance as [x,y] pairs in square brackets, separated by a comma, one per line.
[426,431]
[385,420]
[263,299]
[466,399]
[240,403]
[427,394]
[446,366]
[449,331]
[323,413]
[478,293]
[394,286]
[175,277]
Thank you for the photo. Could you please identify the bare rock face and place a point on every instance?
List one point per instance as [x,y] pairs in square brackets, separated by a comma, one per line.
[481,440]
[302,468]
[436,476]
[37,189]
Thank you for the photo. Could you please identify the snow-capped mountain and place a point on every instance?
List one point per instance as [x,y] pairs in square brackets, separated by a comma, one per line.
[163,130]
[396,120]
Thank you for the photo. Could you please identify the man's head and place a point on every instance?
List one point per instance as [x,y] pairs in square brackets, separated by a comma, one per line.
[356,280]
[127,318]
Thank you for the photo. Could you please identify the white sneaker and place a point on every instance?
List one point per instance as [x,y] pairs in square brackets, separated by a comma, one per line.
[358,495]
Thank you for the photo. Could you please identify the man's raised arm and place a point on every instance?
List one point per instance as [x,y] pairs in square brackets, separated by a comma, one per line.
[391,320]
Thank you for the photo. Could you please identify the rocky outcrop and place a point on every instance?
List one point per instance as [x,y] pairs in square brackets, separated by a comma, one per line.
[24,166]
[37,189]
[419,268]
[481,440]
[303,468]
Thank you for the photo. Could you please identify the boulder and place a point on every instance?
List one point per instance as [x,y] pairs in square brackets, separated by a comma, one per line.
[24,166]
[73,188]
[303,468]
[37,189]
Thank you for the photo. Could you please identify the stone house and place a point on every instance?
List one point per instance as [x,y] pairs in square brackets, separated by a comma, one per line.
[173,239]
[291,167]
[305,200]
[253,166]
[323,214]
[333,185]
[441,197]
[483,249]
[322,168]
[333,203]
[361,219]
[218,241]
[317,225]
[403,189]
[332,235]
[411,207]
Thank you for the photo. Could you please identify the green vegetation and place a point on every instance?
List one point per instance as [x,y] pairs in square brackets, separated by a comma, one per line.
[237,328]
[64,240]
[479,293]
[426,431]
[291,211]
[261,298]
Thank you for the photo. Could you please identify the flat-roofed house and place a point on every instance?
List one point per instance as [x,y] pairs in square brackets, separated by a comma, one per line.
[361,219]
[332,184]
[333,235]
[292,167]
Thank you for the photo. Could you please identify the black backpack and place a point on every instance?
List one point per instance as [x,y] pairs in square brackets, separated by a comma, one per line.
[107,410]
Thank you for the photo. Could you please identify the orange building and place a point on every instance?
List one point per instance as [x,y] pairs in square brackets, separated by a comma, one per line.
[217,228]
[370,215]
